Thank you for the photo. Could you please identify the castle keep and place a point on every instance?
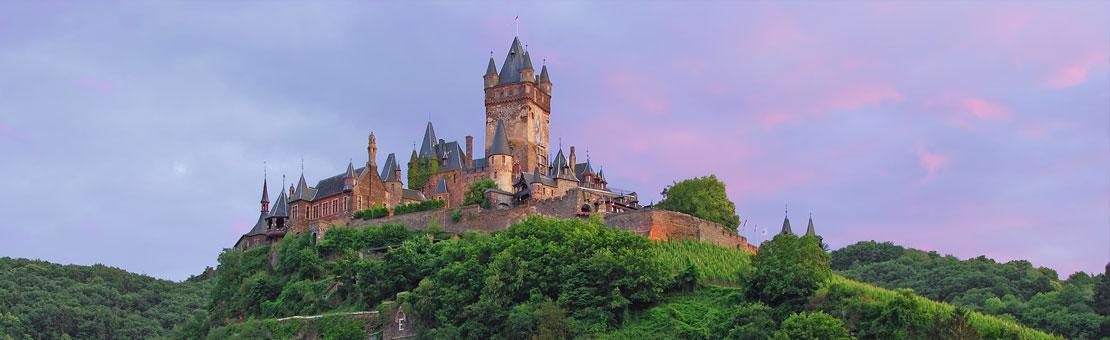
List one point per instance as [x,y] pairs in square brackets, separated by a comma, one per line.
[531,177]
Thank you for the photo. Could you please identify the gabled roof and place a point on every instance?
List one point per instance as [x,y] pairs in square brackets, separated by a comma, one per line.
[786,226]
[414,195]
[560,168]
[281,207]
[581,169]
[514,62]
[809,229]
[454,154]
[441,185]
[389,171]
[500,144]
[491,70]
[428,143]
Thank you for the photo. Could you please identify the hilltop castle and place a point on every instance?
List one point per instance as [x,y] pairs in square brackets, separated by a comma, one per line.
[518,158]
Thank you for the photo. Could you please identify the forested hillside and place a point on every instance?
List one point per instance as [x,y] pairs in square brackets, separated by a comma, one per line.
[1076,307]
[42,300]
[554,278]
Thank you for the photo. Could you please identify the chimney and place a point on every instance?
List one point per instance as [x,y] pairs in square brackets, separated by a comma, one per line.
[469,152]
[572,158]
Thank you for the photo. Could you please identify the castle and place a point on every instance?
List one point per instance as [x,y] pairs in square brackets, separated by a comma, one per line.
[518,158]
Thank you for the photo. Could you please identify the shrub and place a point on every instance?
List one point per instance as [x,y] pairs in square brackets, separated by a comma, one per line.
[408,208]
[456,215]
[816,325]
[788,270]
[476,194]
[377,211]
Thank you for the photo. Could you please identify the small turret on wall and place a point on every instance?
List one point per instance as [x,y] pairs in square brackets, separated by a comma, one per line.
[499,158]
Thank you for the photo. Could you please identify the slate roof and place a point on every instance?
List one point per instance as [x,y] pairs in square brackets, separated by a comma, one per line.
[265,192]
[786,226]
[581,169]
[455,156]
[280,208]
[491,70]
[428,143]
[303,192]
[479,163]
[415,195]
[500,144]
[389,172]
[333,185]
[514,62]
[534,177]
[441,185]
[543,74]
[560,168]
[809,229]
[259,227]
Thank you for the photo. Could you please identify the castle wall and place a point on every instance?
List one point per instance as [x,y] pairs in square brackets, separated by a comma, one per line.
[669,225]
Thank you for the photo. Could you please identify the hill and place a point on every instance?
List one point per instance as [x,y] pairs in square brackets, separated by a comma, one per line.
[553,278]
[42,300]
[1014,290]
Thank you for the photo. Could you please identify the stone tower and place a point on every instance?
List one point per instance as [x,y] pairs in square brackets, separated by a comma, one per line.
[522,102]
[499,158]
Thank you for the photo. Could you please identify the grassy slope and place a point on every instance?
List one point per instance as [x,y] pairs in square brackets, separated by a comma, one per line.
[685,313]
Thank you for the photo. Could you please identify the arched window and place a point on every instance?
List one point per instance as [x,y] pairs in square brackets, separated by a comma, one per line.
[585,208]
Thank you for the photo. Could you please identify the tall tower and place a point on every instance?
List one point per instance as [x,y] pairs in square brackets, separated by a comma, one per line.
[523,103]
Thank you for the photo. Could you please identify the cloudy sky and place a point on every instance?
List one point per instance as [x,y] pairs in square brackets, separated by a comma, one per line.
[134,134]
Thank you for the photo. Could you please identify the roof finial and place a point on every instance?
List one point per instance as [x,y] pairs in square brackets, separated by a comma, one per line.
[491,54]
[282,180]
[263,170]
[302,165]
[786,210]
[516,26]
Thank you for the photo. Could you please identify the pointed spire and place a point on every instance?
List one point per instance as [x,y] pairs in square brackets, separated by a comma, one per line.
[527,60]
[786,224]
[428,144]
[265,189]
[543,74]
[500,144]
[514,62]
[491,69]
[809,229]
[350,169]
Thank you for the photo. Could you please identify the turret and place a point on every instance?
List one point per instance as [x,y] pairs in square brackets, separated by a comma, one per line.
[499,158]
[491,73]
[527,74]
[265,197]
[372,153]
[786,226]
[545,80]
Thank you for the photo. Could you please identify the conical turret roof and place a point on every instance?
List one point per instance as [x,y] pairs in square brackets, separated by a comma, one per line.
[428,143]
[514,62]
[543,75]
[281,207]
[786,226]
[265,192]
[809,228]
[491,69]
[500,144]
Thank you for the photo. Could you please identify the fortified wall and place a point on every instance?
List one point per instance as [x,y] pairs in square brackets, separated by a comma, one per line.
[651,223]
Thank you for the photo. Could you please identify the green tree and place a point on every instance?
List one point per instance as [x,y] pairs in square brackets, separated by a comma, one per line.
[864,252]
[1101,302]
[753,322]
[815,325]
[420,169]
[788,270]
[703,197]
[476,194]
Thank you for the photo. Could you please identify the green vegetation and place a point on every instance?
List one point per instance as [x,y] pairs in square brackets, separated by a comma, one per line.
[326,327]
[377,211]
[1014,291]
[788,270]
[703,197]
[713,264]
[42,300]
[420,170]
[476,194]
[408,208]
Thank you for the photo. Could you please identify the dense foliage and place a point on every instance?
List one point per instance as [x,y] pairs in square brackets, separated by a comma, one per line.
[1013,290]
[377,211]
[408,208]
[41,300]
[476,194]
[420,170]
[788,270]
[704,197]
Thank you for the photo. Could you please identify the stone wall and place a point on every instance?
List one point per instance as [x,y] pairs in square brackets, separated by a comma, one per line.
[650,223]
[669,225]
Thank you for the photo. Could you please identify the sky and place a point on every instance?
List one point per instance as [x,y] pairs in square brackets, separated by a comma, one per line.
[134,134]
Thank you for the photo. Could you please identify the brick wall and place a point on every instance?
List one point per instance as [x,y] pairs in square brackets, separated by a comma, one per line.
[670,225]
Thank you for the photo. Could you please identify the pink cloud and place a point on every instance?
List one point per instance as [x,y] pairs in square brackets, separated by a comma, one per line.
[773,119]
[854,98]
[1075,73]
[647,93]
[984,110]
[931,162]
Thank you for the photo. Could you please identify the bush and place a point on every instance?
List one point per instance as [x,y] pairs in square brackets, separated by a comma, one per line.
[703,197]
[816,325]
[456,215]
[377,211]
[788,270]
[407,208]
[476,194]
